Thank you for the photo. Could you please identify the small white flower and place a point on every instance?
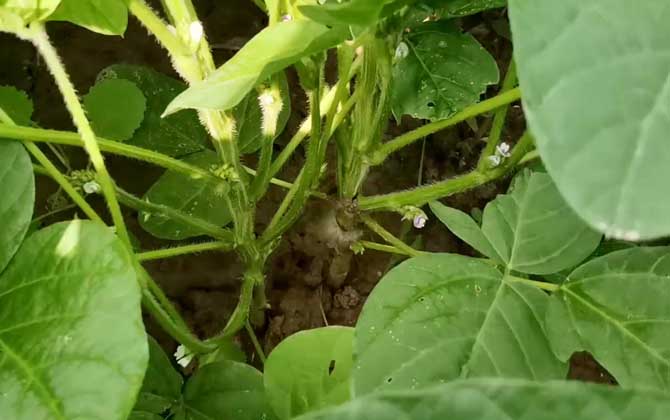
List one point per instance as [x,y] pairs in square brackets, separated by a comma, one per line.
[196,31]
[286,18]
[494,160]
[183,356]
[503,149]
[420,221]
[401,51]
[91,187]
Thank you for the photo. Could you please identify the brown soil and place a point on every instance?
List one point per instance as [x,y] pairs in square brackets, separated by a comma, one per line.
[311,281]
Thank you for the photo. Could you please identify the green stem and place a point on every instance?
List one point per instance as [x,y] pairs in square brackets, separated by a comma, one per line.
[183,336]
[410,137]
[260,184]
[386,248]
[224,235]
[63,182]
[427,193]
[40,39]
[241,314]
[53,172]
[550,287]
[529,157]
[499,119]
[255,342]
[306,126]
[157,27]
[160,254]
[389,237]
[290,208]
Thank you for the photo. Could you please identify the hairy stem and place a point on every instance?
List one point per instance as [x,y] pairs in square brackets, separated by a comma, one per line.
[425,194]
[160,254]
[499,119]
[410,137]
[40,39]
[389,237]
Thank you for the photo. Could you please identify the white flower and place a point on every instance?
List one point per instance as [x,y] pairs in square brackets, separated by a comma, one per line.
[183,356]
[401,51]
[503,149]
[286,18]
[91,187]
[420,221]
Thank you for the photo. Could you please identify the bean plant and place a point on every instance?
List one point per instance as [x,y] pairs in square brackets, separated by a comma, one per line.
[571,258]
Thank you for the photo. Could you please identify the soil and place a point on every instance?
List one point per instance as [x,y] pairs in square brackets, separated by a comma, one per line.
[311,282]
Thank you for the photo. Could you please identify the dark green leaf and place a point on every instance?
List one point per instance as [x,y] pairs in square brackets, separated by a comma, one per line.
[161,389]
[176,135]
[250,117]
[495,399]
[72,342]
[16,105]
[439,71]
[616,307]
[226,390]
[440,317]
[116,108]
[310,370]
[17,189]
[534,230]
[194,197]
[108,17]
[271,50]
[595,77]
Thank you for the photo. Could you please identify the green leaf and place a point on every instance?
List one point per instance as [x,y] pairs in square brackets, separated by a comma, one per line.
[352,12]
[176,135]
[194,197]
[116,108]
[460,8]
[495,399]
[249,117]
[457,310]
[463,226]
[534,230]
[226,390]
[599,112]
[439,71]
[161,389]
[616,307]
[310,370]
[108,17]
[16,104]
[271,50]
[72,342]
[17,189]
[26,11]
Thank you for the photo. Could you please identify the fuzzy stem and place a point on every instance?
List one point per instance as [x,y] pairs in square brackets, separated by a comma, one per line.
[160,254]
[410,137]
[425,194]
[63,182]
[389,237]
[499,118]
[40,39]
[387,248]
[52,171]
[224,235]
[255,342]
